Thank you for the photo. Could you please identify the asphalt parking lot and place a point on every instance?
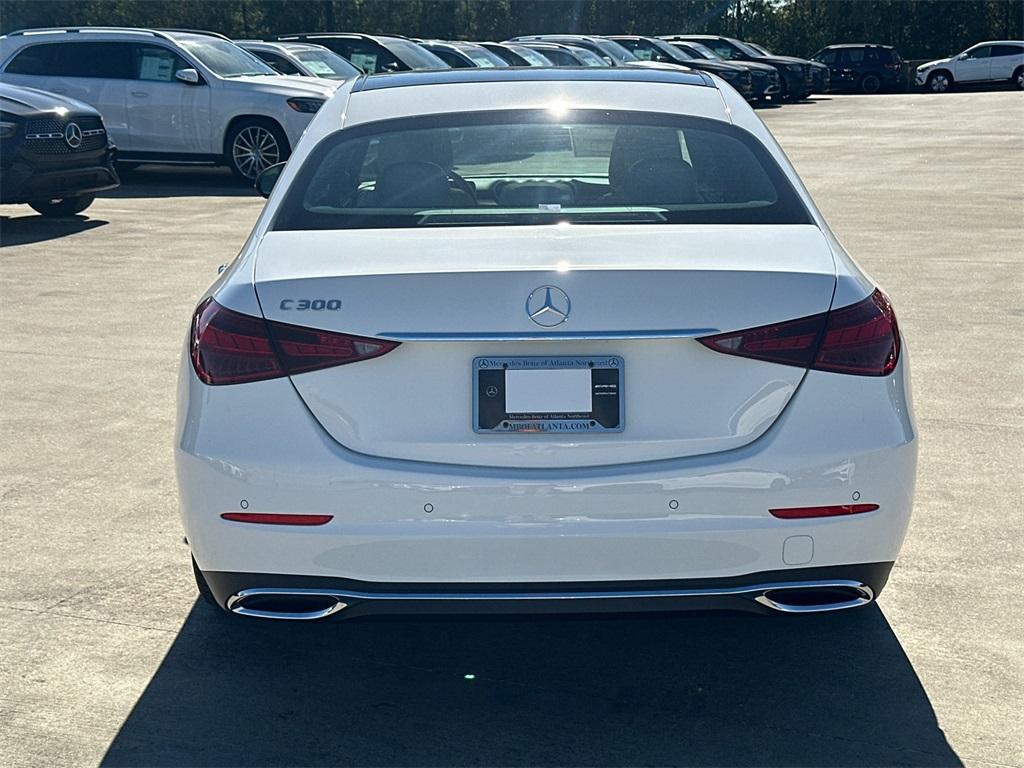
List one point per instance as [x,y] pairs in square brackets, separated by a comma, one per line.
[105,657]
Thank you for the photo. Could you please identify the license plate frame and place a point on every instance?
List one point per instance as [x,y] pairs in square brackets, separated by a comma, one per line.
[490,414]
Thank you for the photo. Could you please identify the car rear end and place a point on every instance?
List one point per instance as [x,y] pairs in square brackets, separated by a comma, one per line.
[892,67]
[579,397]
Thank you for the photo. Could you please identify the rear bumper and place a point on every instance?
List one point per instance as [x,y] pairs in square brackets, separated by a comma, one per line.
[841,439]
[309,598]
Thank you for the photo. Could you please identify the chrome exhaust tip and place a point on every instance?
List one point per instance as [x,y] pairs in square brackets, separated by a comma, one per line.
[287,604]
[816,597]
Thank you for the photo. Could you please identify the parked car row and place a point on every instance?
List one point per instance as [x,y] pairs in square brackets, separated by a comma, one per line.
[188,96]
[872,68]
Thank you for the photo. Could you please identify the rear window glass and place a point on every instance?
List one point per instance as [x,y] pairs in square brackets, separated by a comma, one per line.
[533,166]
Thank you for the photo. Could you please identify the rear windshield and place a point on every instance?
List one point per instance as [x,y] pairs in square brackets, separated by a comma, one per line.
[538,167]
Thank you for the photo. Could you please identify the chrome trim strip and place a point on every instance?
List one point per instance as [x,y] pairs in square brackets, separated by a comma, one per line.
[678,333]
[35,136]
[757,592]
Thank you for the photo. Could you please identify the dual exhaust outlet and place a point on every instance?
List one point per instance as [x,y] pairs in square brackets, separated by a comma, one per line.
[312,604]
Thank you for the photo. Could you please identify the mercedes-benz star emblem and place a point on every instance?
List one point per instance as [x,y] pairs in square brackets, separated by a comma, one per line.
[73,135]
[548,306]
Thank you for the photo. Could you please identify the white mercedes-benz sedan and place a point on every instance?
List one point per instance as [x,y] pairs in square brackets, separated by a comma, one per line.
[542,340]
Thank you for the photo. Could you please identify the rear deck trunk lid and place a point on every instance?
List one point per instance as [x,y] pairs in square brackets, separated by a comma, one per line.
[639,292]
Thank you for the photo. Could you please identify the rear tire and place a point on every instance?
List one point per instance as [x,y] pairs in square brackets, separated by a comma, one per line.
[939,82]
[65,206]
[253,145]
[870,83]
[1018,78]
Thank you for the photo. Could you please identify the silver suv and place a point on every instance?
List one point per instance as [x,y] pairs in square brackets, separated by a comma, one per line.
[171,96]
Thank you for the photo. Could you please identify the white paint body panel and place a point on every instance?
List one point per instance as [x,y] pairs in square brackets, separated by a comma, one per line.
[682,493]
[680,398]
[841,436]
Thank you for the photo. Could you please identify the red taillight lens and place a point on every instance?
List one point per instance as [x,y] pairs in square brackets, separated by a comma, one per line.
[860,339]
[790,343]
[228,347]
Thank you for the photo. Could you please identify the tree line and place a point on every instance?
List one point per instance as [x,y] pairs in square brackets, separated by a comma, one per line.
[918,28]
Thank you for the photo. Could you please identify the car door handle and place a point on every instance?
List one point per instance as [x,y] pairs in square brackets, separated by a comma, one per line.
[58,90]
[140,94]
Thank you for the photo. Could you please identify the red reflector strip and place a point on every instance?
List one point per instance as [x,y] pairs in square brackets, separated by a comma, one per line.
[795,513]
[273,519]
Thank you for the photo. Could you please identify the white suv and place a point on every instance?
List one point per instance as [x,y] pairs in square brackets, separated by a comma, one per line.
[994,61]
[171,96]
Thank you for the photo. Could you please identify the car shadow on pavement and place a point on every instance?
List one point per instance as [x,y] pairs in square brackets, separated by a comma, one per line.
[179,181]
[672,689]
[24,230]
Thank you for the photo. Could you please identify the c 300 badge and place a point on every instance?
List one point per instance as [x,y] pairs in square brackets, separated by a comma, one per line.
[316,305]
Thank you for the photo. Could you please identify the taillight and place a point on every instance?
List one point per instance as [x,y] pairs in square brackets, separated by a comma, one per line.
[861,339]
[228,347]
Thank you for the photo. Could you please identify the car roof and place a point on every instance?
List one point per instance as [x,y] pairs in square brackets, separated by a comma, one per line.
[347,35]
[553,36]
[549,44]
[27,35]
[535,74]
[281,45]
[856,45]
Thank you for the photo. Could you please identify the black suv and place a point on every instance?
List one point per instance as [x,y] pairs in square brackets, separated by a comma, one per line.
[863,67]
[797,75]
[652,49]
[55,154]
[372,53]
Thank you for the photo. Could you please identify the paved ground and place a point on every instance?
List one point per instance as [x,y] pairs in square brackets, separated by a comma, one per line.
[104,657]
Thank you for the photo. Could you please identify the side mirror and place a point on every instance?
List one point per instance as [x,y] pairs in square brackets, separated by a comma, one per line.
[268,178]
[187,76]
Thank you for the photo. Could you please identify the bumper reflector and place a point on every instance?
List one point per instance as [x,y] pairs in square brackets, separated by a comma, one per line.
[275,519]
[795,513]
